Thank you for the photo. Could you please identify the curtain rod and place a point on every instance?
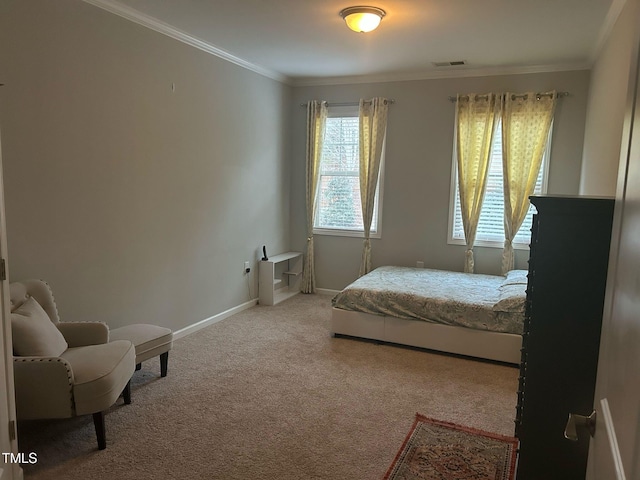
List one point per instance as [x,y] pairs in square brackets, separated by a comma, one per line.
[348,104]
[522,95]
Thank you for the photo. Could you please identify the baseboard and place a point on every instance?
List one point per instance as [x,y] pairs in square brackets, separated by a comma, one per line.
[326,291]
[183,332]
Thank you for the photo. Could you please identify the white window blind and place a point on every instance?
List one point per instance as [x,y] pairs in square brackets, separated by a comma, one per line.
[491,223]
[338,197]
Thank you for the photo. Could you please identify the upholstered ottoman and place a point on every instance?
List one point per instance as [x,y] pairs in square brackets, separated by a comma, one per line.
[149,341]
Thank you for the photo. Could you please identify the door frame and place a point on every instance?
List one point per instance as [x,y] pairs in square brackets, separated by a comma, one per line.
[8,425]
[604,450]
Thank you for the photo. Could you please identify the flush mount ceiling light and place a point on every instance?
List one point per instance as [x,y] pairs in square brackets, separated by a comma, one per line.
[362,19]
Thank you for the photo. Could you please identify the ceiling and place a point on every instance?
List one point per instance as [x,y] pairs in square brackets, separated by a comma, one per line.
[306,41]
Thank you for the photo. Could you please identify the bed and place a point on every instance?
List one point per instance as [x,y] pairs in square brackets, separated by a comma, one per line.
[467,314]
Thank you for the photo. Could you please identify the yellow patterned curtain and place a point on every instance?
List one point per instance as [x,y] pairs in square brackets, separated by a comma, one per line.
[526,120]
[316,123]
[476,117]
[373,128]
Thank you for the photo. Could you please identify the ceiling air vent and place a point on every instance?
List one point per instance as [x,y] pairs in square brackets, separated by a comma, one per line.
[449,64]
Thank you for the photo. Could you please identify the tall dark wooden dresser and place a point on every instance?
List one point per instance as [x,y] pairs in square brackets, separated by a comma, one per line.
[568,264]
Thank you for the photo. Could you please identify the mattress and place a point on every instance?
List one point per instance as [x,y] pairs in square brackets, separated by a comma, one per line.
[484,302]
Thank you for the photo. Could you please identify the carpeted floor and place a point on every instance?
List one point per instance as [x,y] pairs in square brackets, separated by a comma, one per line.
[268,394]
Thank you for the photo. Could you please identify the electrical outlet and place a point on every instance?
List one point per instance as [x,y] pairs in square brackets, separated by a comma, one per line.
[247,267]
[419,264]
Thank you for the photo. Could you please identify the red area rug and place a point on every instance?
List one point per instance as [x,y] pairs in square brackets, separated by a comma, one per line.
[436,450]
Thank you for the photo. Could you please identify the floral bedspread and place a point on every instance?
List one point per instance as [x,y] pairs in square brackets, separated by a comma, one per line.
[452,298]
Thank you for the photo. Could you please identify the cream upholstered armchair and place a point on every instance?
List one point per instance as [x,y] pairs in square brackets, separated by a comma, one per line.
[64,369]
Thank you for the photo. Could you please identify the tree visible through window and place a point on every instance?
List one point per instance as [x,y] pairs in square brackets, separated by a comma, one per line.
[339,207]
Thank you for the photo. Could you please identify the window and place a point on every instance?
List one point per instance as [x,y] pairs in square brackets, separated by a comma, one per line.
[339,210]
[490,231]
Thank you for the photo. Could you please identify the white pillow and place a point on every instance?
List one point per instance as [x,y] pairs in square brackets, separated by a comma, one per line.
[515,277]
[34,334]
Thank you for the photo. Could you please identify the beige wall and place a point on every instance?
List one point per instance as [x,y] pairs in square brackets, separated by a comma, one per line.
[138,204]
[141,203]
[606,107]
[418,170]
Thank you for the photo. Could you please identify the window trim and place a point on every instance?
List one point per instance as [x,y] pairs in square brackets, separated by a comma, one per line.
[546,162]
[353,111]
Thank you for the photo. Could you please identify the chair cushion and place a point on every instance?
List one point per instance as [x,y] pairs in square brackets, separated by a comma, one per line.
[100,374]
[34,334]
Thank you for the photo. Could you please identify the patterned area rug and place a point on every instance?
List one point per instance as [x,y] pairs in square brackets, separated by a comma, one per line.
[436,450]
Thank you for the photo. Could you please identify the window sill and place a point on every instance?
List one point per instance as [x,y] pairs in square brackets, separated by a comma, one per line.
[488,244]
[344,233]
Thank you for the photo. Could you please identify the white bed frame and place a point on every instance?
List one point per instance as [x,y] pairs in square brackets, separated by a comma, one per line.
[502,347]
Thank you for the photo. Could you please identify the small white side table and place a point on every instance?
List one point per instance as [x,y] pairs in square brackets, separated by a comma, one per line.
[279,277]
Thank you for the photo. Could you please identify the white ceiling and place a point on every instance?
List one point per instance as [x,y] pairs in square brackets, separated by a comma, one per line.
[305,41]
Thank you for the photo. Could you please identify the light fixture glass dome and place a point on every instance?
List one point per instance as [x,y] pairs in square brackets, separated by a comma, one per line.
[362,19]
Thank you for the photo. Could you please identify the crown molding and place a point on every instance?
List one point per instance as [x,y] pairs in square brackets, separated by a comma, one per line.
[607,26]
[133,15]
[454,72]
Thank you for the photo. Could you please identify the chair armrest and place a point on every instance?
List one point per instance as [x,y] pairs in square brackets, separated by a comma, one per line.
[44,387]
[80,334]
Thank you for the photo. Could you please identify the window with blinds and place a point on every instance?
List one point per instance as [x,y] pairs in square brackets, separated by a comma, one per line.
[339,208]
[491,223]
